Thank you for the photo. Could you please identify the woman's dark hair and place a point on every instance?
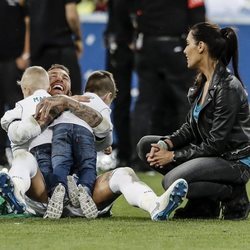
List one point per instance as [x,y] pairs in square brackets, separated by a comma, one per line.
[222,43]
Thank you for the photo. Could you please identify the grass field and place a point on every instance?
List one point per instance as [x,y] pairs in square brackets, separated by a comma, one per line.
[128,228]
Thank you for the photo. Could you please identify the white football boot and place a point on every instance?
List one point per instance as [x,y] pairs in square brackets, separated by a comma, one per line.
[11,194]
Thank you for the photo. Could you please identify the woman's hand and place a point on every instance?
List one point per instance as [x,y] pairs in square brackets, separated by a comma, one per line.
[158,157]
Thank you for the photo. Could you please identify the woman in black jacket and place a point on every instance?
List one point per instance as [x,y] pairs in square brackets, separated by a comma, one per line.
[211,150]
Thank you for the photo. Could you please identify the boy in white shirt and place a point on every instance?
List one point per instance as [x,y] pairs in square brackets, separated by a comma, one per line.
[73,142]
[13,186]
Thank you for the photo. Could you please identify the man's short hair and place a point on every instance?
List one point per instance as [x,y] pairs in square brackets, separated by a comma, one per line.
[101,82]
[59,66]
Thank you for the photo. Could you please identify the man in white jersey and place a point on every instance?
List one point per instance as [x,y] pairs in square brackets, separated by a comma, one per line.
[109,186]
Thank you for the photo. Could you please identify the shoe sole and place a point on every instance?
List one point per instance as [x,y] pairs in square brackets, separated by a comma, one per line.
[176,197]
[73,191]
[7,192]
[55,205]
[87,204]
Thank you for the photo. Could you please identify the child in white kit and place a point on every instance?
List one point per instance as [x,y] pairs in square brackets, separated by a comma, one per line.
[34,85]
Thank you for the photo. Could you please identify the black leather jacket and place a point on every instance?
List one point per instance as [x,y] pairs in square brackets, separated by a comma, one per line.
[223,126]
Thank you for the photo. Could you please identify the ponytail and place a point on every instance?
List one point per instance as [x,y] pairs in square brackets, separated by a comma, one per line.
[231,50]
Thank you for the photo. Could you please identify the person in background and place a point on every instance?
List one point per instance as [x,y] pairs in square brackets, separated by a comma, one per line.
[163,77]
[14,58]
[211,150]
[56,37]
[118,37]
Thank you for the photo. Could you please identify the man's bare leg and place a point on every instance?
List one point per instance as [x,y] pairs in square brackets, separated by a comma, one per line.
[37,190]
[102,194]
[124,181]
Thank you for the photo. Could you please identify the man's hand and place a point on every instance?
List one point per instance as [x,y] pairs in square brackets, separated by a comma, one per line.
[50,108]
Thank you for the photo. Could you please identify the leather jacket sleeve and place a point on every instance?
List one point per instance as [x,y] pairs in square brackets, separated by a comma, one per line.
[218,118]
[184,135]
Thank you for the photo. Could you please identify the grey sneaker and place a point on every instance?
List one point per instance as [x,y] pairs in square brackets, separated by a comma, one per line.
[87,204]
[170,200]
[73,191]
[55,205]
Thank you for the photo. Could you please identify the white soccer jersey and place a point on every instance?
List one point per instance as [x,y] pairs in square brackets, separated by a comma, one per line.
[97,104]
[23,108]
[26,128]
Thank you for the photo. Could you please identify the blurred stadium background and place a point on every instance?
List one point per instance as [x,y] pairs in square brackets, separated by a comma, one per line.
[234,13]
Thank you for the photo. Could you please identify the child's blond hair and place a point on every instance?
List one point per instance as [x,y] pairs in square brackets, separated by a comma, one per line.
[34,78]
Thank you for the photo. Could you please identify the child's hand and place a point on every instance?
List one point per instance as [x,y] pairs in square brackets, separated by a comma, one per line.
[81,98]
[108,150]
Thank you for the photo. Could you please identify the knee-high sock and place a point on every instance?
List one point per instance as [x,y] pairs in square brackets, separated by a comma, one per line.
[24,167]
[136,192]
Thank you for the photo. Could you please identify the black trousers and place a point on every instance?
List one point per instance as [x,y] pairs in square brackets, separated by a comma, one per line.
[120,63]
[10,93]
[65,56]
[207,177]
[163,86]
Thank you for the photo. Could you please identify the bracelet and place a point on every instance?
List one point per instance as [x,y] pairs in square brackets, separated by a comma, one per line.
[169,147]
[163,144]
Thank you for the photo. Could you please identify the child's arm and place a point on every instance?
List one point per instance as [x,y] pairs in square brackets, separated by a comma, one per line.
[107,150]
[102,143]
[104,128]
[19,132]
[10,116]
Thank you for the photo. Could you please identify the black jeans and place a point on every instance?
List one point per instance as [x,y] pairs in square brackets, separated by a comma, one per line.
[207,177]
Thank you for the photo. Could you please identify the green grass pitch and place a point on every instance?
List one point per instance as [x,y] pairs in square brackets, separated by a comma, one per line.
[129,228]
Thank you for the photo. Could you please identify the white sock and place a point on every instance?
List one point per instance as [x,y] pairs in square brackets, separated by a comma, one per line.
[136,192]
[24,167]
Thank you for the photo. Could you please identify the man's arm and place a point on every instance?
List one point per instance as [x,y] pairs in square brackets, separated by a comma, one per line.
[51,107]
[73,20]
